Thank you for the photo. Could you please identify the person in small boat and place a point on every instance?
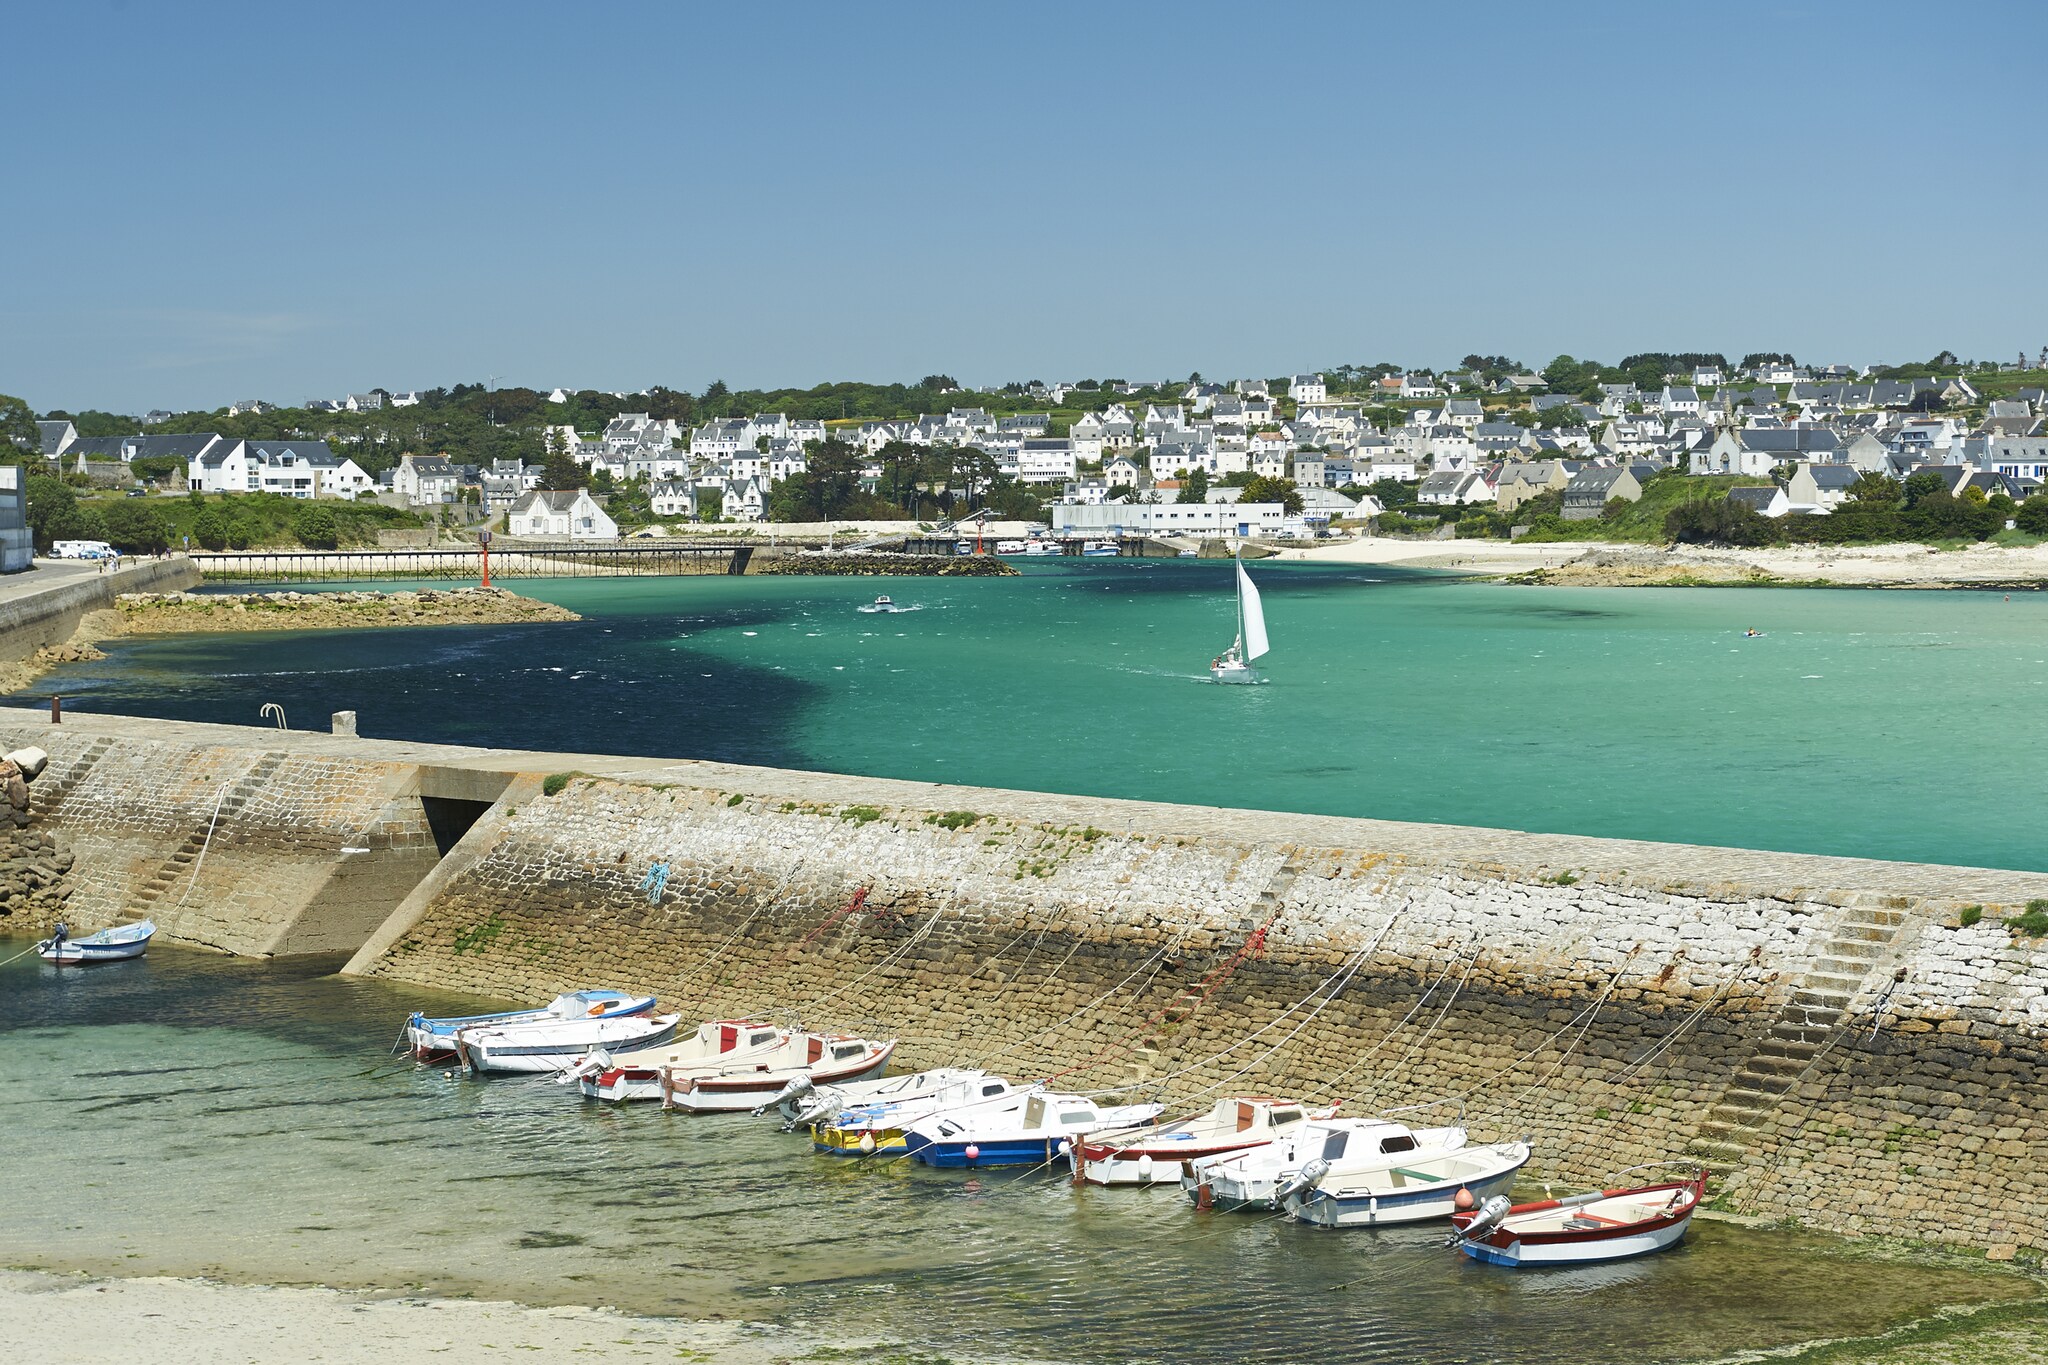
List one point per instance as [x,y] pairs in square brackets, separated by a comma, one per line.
[1753,633]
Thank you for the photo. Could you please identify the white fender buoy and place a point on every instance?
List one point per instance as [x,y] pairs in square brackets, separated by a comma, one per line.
[973,1152]
[1145,1167]
[867,1143]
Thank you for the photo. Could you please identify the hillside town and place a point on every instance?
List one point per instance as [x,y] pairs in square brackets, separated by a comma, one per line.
[1177,457]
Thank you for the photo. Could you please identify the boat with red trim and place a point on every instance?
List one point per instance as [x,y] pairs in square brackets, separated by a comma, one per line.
[1602,1225]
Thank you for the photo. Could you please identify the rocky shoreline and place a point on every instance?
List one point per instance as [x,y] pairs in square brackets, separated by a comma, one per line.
[186,613]
[886,565]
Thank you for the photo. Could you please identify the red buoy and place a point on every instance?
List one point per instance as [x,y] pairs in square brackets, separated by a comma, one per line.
[1463,1201]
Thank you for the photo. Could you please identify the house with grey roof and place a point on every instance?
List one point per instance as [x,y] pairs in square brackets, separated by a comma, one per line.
[561,512]
[1766,501]
[1592,488]
[57,437]
[1818,489]
[1454,487]
[426,480]
[1758,450]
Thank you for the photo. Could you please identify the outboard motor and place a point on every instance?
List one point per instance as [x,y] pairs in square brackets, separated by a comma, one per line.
[1486,1220]
[798,1085]
[818,1108]
[589,1066]
[1307,1178]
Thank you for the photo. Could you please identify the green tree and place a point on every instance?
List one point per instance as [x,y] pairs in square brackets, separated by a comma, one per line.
[210,529]
[315,526]
[136,527]
[2032,516]
[18,428]
[558,469]
[1195,487]
[1391,492]
[1266,488]
[1876,490]
[52,510]
[1718,521]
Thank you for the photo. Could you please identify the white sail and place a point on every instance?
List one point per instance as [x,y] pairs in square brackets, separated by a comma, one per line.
[1254,616]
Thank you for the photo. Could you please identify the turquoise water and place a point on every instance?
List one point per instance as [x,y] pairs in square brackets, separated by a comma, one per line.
[1881,724]
[193,1114]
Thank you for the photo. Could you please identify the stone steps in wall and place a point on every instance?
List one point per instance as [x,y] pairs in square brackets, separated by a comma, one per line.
[1788,1032]
[1822,981]
[215,817]
[46,795]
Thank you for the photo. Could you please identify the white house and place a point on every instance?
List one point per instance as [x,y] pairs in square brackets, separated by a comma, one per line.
[570,512]
[744,500]
[1186,519]
[1420,386]
[426,480]
[1452,488]
[1307,388]
[409,399]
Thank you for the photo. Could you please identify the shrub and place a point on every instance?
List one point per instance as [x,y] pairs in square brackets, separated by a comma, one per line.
[210,529]
[135,527]
[953,819]
[2032,516]
[1971,914]
[1720,522]
[552,784]
[316,527]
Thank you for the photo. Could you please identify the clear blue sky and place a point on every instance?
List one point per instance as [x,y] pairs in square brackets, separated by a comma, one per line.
[219,201]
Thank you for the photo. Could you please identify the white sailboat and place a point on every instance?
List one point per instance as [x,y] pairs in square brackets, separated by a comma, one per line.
[1234,665]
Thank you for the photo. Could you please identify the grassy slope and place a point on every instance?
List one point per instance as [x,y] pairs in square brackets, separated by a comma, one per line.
[1643,522]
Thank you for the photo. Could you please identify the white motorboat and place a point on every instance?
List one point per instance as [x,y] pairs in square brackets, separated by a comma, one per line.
[1234,665]
[1374,1189]
[824,1101]
[121,943]
[433,1040]
[555,1044]
[883,605]
[1010,547]
[1099,549]
[737,1086]
[1604,1225]
[619,1074]
[1154,1155]
[1038,549]
[1254,1176]
[1038,1128]
[868,1129]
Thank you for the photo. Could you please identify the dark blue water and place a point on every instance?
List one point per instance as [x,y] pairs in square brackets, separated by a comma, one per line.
[1880,724]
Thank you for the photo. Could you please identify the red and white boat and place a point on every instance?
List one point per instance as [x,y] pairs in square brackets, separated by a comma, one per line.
[758,1083]
[1146,1156]
[635,1074]
[1602,1225]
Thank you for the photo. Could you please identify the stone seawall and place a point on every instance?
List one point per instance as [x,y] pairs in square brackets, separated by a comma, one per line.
[37,615]
[1825,1033]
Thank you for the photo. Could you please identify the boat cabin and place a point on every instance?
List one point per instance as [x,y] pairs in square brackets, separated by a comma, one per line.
[1255,1114]
[1064,1113]
[1387,1139]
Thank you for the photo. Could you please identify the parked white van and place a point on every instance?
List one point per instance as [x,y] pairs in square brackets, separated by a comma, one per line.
[81,549]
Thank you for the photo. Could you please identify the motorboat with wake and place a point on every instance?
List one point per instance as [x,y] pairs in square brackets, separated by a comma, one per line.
[884,605]
[433,1040]
[1156,1154]
[122,943]
[1036,1128]
[1603,1225]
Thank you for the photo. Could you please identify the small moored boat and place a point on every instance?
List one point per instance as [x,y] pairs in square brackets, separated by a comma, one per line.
[1099,549]
[619,1074]
[1037,1128]
[1010,547]
[868,1129]
[1038,549]
[763,1084]
[1154,1155]
[1252,1177]
[433,1040]
[1603,1225]
[822,1102]
[1380,1188]
[118,944]
[553,1045]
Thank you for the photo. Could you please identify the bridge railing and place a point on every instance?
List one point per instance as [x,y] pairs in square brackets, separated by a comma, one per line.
[455,563]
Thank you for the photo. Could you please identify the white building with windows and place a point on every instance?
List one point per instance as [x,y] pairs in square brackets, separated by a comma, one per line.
[1168,519]
[570,512]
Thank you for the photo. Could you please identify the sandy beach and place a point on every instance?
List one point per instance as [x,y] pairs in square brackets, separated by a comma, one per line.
[74,1318]
[1900,566]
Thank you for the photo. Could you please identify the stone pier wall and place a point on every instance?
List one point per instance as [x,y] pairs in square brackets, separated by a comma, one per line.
[1829,1035]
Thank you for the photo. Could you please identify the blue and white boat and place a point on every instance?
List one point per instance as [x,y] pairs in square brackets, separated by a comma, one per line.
[1380,1189]
[119,944]
[882,1126]
[1035,1128]
[433,1040]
